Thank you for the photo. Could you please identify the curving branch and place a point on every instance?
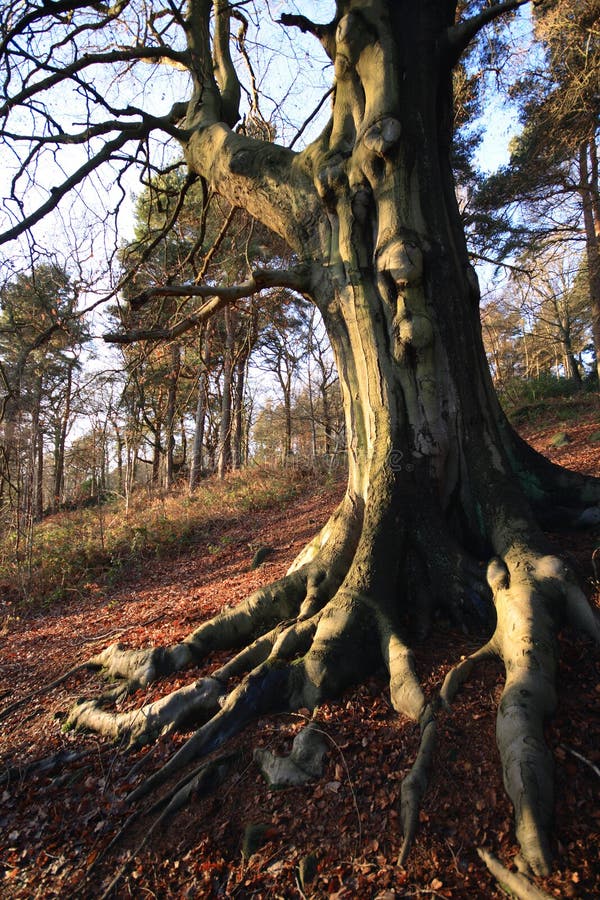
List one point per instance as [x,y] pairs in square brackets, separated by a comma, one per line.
[57,193]
[63,73]
[205,105]
[310,117]
[261,177]
[57,9]
[226,74]
[296,278]
[459,36]
[324,33]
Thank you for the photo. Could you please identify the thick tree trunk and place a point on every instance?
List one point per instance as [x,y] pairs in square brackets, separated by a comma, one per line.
[238,412]
[224,458]
[438,482]
[591,206]
[170,413]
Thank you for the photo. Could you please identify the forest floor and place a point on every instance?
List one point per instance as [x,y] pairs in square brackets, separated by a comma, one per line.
[55,825]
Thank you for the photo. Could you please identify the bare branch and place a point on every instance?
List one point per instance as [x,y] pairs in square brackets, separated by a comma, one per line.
[500,263]
[63,73]
[217,242]
[189,181]
[296,278]
[309,118]
[57,193]
[167,334]
[459,36]
[324,33]
[227,78]
[54,8]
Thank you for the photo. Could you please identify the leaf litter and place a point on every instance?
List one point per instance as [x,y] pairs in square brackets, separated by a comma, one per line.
[337,837]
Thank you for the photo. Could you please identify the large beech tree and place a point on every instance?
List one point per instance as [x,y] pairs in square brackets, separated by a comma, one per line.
[438,481]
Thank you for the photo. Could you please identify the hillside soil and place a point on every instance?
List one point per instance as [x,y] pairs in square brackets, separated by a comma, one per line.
[339,835]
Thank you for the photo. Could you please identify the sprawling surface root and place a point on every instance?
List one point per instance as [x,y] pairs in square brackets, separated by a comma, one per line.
[415,783]
[530,601]
[561,498]
[311,581]
[144,725]
[406,693]
[513,883]
[335,617]
[265,690]
[200,700]
[305,665]
[255,616]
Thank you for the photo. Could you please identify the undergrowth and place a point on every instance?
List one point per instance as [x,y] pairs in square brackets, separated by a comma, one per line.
[86,550]
[548,399]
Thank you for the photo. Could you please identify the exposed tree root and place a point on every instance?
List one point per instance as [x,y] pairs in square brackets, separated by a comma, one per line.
[559,497]
[330,622]
[202,781]
[311,581]
[277,684]
[304,762]
[514,882]
[406,693]
[583,759]
[415,783]
[141,726]
[461,672]
[528,603]
[528,607]
[43,766]
[265,690]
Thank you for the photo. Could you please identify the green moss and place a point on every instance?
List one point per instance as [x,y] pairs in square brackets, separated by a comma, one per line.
[560,439]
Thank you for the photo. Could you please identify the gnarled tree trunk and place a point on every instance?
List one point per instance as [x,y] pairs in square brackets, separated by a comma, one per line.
[438,481]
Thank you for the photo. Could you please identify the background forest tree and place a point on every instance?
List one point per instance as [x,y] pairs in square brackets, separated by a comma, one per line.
[548,195]
[362,222]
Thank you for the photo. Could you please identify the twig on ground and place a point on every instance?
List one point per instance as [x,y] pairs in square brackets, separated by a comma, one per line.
[45,765]
[582,759]
[119,631]
[41,690]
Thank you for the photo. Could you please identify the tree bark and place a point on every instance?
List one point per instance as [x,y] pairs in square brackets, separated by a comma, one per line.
[60,440]
[438,481]
[170,413]
[201,404]
[591,204]
[238,411]
[38,453]
[224,456]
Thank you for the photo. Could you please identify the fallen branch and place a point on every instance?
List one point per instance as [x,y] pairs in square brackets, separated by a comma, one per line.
[582,759]
[117,632]
[42,690]
[45,765]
